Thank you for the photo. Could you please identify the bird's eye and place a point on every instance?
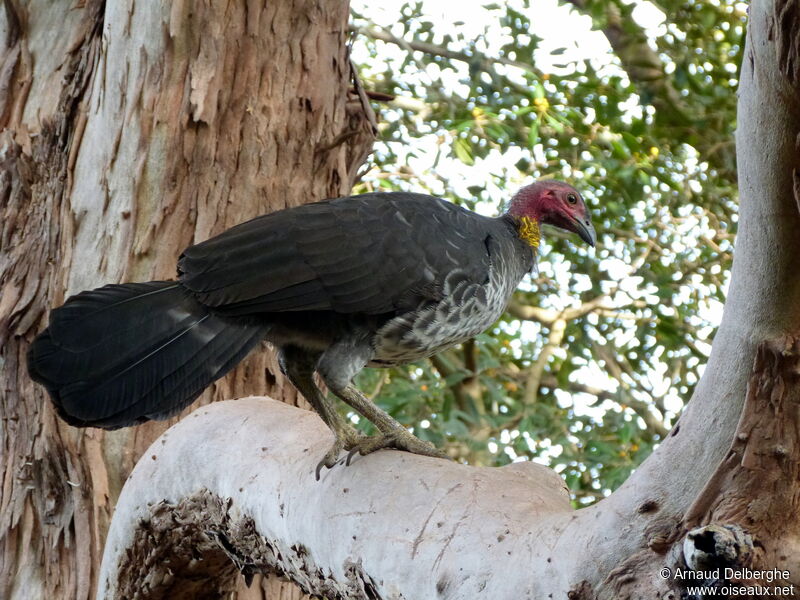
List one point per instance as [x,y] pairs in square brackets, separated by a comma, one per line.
[572,199]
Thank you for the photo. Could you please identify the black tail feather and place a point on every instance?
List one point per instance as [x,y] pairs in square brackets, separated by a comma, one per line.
[124,354]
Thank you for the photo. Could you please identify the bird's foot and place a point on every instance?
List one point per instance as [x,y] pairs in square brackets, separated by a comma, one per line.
[347,438]
[399,439]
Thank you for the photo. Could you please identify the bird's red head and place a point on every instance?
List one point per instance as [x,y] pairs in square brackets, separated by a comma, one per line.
[552,202]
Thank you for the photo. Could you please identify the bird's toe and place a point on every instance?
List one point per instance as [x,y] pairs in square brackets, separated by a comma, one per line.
[398,440]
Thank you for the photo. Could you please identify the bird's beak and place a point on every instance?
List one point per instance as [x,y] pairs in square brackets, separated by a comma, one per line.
[585,229]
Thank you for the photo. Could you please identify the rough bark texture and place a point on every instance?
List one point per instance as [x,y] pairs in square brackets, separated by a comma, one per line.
[722,490]
[140,128]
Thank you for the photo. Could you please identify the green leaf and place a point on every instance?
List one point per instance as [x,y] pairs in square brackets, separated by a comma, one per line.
[463,151]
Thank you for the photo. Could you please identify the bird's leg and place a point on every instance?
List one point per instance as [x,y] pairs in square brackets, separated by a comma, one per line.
[338,365]
[299,365]
[392,434]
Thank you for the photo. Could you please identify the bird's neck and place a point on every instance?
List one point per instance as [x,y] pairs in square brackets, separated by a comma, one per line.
[526,217]
[528,230]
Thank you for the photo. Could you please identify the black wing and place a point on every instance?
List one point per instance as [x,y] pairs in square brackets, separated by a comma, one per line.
[369,254]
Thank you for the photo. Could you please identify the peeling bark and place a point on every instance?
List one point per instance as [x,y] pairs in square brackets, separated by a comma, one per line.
[198,547]
[141,128]
[757,480]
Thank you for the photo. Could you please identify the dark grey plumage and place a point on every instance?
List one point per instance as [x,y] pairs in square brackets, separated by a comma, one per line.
[370,254]
[375,279]
[383,265]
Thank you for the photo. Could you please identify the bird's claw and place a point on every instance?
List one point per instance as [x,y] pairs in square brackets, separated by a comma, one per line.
[345,440]
[399,440]
[330,459]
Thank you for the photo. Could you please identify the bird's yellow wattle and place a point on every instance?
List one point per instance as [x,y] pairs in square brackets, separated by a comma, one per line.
[529,231]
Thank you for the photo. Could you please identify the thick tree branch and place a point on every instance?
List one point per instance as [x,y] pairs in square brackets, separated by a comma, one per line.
[187,507]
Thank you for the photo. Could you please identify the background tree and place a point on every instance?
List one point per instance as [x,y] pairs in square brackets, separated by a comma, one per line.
[136,131]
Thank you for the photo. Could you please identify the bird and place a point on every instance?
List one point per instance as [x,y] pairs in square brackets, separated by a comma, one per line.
[376,279]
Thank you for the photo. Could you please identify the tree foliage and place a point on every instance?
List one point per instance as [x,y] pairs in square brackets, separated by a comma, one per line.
[600,350]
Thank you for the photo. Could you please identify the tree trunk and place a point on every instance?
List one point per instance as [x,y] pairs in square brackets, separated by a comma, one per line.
[722,491]
[142,127]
